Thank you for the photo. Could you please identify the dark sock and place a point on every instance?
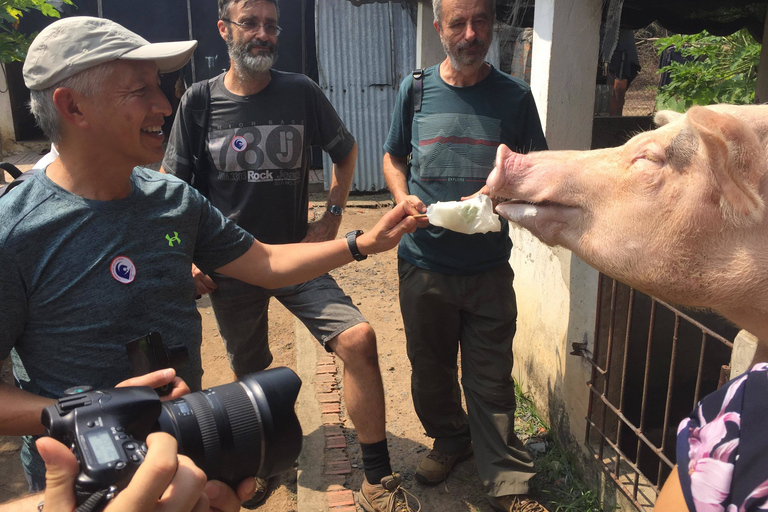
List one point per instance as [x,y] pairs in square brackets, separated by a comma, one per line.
[376,461]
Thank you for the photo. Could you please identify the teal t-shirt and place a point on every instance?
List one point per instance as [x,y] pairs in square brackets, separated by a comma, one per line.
[452,142]
[81,278]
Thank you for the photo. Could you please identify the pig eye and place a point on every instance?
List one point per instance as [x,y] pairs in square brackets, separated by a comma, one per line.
[650,157]
[653,158]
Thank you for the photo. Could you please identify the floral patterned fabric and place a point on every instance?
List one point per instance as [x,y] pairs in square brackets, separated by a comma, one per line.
[722,448]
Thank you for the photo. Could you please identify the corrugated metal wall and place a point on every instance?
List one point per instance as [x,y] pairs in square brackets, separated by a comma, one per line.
[364,53]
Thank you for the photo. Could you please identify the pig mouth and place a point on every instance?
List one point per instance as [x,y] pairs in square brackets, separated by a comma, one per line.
[546,203]
[518,210]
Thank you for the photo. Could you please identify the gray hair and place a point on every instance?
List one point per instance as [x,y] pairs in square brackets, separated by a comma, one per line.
[437,9]
[88,83]
[225,5]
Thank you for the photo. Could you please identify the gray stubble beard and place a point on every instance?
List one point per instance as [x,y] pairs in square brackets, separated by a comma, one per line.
[249,66]
[456,61]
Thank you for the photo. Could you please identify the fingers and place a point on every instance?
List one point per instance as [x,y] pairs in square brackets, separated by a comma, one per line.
[186,489]
[178,390]
[152,477]
[246,488]
[61,470]
[409,209]
[224,499]
[416,203]
[154,380]
[204,284]
[160,378]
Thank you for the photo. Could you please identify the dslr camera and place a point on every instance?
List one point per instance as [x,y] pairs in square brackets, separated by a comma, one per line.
[246,428]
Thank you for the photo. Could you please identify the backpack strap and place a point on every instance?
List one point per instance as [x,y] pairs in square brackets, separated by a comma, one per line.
[199,105]
[18,177]
[418,89]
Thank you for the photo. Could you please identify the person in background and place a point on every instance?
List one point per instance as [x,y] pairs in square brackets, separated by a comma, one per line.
[243,138]
[456,289]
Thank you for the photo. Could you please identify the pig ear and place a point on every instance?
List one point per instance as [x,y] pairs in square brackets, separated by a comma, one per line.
[735,158]
[663,117]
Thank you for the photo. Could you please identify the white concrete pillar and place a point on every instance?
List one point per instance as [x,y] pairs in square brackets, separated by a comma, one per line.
[429,49]
[556,291]
[761,89]
[7,131]
[566,35]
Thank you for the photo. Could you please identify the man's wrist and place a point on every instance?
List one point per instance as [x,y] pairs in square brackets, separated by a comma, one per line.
[353,238]
[334,210]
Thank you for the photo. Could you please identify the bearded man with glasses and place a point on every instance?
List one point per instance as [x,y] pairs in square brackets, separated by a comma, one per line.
[243,139]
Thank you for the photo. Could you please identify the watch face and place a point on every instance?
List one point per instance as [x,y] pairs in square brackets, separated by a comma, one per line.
[335,209]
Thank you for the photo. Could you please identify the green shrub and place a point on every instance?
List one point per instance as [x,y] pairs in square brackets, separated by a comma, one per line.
[14,44]
[720,70]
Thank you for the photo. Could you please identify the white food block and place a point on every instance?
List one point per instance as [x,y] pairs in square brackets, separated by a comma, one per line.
[471,216]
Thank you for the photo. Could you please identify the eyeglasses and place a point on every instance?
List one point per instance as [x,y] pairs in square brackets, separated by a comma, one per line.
[271,29]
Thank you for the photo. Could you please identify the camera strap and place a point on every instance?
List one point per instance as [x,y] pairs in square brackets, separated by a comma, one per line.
[98,500]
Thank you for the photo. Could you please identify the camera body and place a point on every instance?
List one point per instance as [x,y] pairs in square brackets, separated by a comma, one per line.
[243,429]
[106,430]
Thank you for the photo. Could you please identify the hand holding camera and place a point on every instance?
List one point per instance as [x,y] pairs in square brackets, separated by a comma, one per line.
[164,379]
[180,485]
[233,432]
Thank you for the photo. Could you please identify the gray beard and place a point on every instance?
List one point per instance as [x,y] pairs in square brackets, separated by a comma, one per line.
[248,65]
[460,61]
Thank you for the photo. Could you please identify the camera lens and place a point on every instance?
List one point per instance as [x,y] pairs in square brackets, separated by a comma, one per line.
[246,428]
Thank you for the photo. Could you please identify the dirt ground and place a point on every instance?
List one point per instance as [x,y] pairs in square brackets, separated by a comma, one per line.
[372,284]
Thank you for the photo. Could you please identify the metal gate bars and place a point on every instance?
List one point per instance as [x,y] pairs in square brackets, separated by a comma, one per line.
[651,363]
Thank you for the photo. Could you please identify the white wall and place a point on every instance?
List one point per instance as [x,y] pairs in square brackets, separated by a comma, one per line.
[7,132]
[429,50]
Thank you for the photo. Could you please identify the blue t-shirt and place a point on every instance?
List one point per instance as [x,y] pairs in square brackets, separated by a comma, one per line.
[452,142]
[80,278]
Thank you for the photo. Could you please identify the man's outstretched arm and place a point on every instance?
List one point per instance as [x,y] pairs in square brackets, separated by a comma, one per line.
[275,266]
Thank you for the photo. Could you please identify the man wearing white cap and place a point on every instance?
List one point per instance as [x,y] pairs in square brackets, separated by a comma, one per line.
[95,252]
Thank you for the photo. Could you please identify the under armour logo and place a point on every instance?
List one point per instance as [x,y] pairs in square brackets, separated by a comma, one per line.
[174,239]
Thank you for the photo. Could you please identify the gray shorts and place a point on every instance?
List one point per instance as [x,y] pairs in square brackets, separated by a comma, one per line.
[241,312]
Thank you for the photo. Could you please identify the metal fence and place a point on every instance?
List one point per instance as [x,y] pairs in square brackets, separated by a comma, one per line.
[651,365]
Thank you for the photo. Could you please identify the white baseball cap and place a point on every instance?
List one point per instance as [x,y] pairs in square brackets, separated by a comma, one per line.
[71,45]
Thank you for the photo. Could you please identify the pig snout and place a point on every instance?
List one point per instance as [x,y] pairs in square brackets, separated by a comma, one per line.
[509,168]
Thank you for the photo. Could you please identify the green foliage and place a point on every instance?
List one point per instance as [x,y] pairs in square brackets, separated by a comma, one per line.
[721,70]
[14,44]
[557,484]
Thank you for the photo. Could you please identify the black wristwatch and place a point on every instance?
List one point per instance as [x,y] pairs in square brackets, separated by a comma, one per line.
[352,242]
[335,209]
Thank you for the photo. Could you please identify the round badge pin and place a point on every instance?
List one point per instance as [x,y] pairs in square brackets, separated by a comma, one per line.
[239,143]
[123,270]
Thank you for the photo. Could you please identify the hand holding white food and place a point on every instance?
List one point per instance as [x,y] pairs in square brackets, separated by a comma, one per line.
[386,234]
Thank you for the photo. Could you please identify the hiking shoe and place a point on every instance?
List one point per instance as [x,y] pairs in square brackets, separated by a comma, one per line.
[260,496]
[434,468]
[387,496]
[516,503]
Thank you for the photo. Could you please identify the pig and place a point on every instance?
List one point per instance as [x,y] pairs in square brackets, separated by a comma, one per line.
[677,212]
